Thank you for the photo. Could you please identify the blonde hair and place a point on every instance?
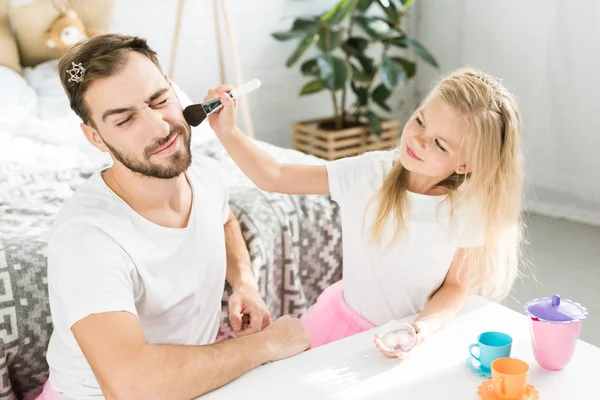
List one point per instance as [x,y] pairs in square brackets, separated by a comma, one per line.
[493,144]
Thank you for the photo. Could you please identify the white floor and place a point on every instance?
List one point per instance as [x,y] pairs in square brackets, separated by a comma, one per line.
[564,258]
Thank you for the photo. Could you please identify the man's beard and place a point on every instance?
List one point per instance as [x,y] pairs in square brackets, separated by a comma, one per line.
[177,162]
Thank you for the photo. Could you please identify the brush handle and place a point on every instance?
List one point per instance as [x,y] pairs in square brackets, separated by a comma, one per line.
[245,88]
[212,106]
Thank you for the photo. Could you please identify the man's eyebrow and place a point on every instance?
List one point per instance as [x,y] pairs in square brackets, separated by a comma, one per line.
[115,111]
[158,93]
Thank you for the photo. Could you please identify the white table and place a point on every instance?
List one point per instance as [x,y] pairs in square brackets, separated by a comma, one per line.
[353,369]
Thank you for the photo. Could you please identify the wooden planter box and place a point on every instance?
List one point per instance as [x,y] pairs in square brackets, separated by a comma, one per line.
[332,145]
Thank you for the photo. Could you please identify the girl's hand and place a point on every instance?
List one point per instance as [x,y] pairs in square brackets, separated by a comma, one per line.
[399,353]
[223,121]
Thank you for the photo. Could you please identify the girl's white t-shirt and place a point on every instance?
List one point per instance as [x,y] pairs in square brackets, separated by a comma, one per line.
[383,284]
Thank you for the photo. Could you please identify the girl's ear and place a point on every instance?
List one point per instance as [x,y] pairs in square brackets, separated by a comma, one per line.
[463,169]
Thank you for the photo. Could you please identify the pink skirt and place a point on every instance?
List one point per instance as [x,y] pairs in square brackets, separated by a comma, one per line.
[331,318]
[49,394]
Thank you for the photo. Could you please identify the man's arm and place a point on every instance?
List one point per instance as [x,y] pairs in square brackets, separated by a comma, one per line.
[239,266]
[127,367]
[245,299]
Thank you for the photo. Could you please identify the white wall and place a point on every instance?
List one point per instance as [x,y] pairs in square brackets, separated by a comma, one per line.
[546,52]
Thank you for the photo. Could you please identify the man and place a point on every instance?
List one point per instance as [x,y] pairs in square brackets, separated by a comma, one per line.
[138,257]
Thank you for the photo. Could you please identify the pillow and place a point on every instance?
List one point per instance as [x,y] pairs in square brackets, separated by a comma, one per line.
[52,100]
[9,55]
[18,100]
[31,20]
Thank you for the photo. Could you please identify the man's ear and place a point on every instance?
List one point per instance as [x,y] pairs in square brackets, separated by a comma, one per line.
[93,137]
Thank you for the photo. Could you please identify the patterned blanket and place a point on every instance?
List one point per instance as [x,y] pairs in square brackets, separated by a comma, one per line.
[294,243]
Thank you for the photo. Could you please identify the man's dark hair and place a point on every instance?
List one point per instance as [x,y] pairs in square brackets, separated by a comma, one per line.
[101,56]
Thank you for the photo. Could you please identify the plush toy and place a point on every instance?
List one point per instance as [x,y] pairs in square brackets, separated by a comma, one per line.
[9,52]
[28,26]
[67,30]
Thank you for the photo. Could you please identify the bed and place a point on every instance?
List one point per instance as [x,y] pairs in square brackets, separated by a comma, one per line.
[294,241]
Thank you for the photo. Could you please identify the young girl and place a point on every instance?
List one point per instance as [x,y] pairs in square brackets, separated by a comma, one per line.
[423,226]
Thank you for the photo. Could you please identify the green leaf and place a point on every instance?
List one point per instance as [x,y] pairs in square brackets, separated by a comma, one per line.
[380,95]
[355,46]
[309,68]
[408,66]
[367,64]
[300,28]
[420,51]
[376,27]
[362,94]
[302,47]
[312,87]
[360,76]
[363,5]
[283,36]
[375,122]
[329,39]
[397,41]
[338,13]
[390,9]
[333,71]
[391,73]
[406,5]
[305,24]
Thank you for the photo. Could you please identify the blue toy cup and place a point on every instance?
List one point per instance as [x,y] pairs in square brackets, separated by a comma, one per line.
[490,346]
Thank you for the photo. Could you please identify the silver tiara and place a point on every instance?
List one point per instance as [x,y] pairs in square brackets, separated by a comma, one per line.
[76,73]
[494,83]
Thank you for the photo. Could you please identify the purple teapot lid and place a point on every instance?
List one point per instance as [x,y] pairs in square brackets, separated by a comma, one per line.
[555,309]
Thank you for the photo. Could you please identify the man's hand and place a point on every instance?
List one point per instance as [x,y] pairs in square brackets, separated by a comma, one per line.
[286,338]
[247,311]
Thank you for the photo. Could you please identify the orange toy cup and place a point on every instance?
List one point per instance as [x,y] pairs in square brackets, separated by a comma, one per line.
[509,376]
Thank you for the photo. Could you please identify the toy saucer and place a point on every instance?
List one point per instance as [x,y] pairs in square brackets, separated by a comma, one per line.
[486,392]
[476,368]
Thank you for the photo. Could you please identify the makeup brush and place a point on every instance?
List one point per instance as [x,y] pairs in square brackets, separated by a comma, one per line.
[196,113]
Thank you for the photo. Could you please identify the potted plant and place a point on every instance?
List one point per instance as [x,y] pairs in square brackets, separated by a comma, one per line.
[346,38]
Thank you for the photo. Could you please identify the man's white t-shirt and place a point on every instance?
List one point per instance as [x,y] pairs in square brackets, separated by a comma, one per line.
[103,257]
[397,283]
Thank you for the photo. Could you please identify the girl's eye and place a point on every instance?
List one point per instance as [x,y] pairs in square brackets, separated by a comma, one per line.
[439,145]
[420,122]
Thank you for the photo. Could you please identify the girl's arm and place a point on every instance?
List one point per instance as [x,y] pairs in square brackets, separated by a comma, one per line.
[445,304]
[261,168]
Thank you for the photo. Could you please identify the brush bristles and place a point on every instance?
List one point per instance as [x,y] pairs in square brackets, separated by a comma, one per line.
[194,114]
